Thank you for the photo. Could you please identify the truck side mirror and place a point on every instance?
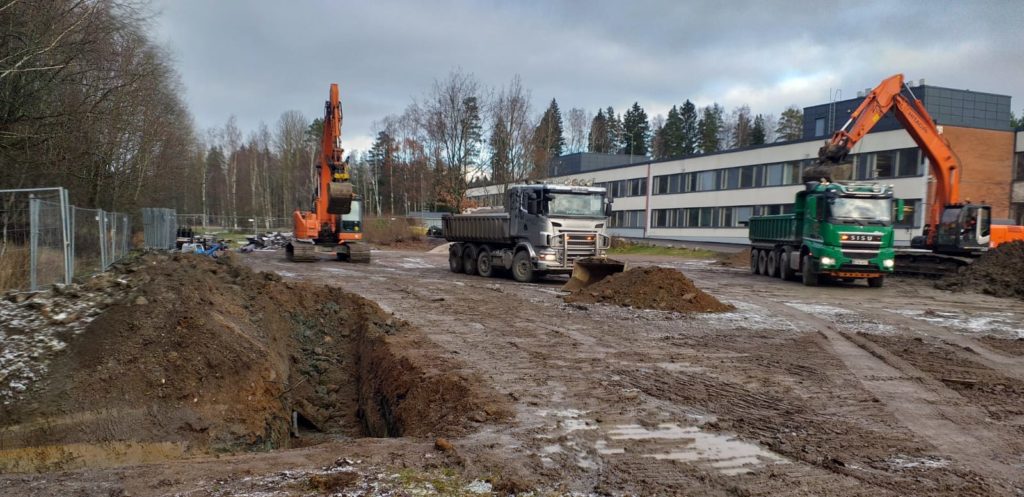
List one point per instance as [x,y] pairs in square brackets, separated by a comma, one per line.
[608,209]
[899,210]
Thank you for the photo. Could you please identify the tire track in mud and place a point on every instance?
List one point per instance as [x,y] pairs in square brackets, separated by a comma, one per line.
[921,403]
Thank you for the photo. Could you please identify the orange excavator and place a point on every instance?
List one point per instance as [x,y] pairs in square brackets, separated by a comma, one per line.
[954,232]
[334,223]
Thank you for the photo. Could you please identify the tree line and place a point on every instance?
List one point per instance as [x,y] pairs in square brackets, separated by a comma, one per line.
[89,102]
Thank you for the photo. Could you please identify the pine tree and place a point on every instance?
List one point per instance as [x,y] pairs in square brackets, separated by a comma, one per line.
[758,134]
[615,132]
[500,151]
[549,133]
[598,140]
[672,134]
[636,131]
[791,124]
[709,128]
[689,134]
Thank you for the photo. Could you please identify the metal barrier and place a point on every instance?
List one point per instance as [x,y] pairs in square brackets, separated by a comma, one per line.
[45,240]
[160,227]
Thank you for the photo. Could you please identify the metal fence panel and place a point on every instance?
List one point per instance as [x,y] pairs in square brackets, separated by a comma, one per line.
[160,227]
[44,240]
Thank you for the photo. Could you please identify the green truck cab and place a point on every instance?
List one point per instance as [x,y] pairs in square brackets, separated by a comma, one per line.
[835,231]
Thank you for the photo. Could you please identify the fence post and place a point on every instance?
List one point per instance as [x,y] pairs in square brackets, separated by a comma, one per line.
[101,221]
[33,251]
[69,256]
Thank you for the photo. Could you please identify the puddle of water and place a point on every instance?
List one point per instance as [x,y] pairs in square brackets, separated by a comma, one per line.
[978,323]
[843,318]
[906,462]
[747,315]
[414,263]
[723,453]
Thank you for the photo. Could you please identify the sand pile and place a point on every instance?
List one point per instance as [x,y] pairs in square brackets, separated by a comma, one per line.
[999,272]
[651,287]
[739,259]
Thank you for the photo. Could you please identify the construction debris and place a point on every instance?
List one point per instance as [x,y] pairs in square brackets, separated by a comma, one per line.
[268,241]
[999,272]
[650,287]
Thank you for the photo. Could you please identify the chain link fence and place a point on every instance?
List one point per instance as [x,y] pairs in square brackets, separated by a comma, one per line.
[45,240]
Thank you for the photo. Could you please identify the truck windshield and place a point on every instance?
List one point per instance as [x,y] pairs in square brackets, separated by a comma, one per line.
[574,204]
[861,210]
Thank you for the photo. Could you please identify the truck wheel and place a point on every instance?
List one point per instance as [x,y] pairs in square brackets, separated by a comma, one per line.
[785,270]
[762,262]
[483,263]
[469,260]
[454,260]
[522,267]
[809,271]
[773,263]
[876,282]
[753,260]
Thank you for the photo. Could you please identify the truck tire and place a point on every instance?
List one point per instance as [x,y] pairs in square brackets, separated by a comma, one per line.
[469,259]
[762,262]
[454,260]
[522,268]
[809,271]
[753,260]
[773,263]
[876,282]
[484,266]
[785,269]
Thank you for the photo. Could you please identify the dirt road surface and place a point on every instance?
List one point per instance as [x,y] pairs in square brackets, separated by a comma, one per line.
[837,391]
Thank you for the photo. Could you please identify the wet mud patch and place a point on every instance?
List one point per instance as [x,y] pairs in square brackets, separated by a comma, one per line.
[207,356]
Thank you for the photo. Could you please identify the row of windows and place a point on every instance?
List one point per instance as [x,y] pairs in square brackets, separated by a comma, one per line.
[636,187]
[713,217]
[876,165]
[628,219]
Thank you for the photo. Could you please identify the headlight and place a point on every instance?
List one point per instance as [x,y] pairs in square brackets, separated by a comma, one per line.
[827,261]
[550,257]
[888,263]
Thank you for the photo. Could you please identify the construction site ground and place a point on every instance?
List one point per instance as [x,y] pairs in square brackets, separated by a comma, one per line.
[839,390]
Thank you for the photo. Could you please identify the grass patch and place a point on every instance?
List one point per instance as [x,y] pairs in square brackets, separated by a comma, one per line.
[687,253]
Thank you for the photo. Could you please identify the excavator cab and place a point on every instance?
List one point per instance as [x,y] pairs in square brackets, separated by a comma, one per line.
[964,229]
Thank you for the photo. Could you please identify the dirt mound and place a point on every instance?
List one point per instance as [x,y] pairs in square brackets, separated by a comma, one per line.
[999,272]
[650,287]
[739,259]
[208,355]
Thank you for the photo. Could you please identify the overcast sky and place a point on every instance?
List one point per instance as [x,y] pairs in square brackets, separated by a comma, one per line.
[258,58]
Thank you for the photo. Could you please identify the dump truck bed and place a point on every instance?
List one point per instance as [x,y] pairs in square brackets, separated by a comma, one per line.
[778,229]
[477,228]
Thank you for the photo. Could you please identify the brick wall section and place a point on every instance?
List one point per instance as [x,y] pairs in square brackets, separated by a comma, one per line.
[986,161]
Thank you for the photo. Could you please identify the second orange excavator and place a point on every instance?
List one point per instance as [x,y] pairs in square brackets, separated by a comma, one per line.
[954,231]
[334,223]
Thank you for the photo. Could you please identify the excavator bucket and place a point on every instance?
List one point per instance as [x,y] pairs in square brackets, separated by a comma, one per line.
[339,197]
[586,272]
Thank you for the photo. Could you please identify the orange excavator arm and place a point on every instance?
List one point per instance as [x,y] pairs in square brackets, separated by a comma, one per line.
[912,114]
[335,194]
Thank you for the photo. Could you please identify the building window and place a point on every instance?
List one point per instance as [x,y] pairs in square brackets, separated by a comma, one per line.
[627,219]
[773,175]
[819,126]
[706,181]
[884,164]
[909,163]
[910,214]
[1018,171]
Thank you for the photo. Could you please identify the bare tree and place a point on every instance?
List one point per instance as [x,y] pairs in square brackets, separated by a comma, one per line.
[578,121]
[450,116]
[511,134]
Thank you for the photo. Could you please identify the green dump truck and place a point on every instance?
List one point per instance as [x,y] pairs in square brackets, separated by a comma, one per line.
[837,231]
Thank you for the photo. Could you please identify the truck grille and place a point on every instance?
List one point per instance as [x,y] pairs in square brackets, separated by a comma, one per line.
[575,245]
[860,246]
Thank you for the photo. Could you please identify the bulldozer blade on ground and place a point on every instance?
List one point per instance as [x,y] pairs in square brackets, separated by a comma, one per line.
[339,198]
[586,272]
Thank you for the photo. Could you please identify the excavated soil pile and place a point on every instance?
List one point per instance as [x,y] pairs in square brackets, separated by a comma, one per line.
[650,287]
[739,259]
[999,272]
[207,355]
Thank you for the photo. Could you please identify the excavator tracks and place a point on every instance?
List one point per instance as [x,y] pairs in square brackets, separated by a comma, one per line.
[354,252]
[301,252]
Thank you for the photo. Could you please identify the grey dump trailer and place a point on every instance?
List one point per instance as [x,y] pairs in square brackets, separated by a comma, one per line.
[542,229]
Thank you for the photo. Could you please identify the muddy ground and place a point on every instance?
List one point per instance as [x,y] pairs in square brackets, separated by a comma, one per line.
[839,391]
